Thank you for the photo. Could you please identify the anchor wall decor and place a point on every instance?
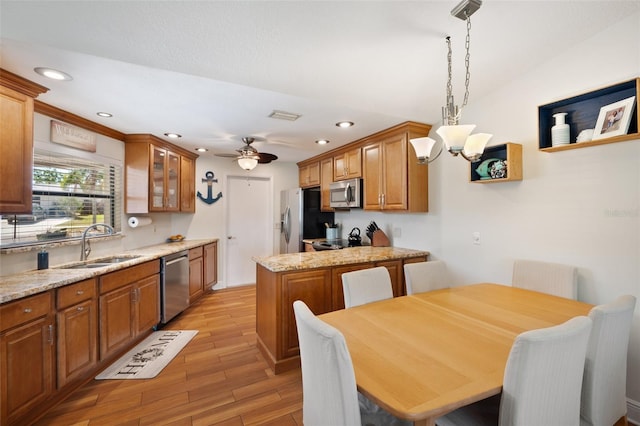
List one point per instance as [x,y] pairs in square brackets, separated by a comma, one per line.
[209,180]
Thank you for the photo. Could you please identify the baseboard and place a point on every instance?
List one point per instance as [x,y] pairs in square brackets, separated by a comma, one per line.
[633,412]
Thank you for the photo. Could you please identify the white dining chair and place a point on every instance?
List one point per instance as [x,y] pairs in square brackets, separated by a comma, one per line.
[604,386]
[542,381]
[425,276]
[546,277]
[366,286]
[329,393]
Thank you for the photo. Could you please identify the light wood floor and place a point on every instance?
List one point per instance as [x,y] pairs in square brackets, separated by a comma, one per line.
[219,378]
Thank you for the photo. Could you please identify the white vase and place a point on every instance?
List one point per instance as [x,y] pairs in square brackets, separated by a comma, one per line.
[560,131]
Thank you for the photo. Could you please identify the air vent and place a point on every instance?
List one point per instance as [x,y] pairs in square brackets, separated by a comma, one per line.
[282,115]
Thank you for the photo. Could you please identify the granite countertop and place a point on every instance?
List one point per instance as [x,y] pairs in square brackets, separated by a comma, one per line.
[28,283]
[345,256]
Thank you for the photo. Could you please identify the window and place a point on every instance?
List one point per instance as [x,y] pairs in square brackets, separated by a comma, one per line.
[69,194]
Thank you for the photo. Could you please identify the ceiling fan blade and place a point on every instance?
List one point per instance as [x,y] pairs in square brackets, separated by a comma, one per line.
[227,155]
[265,157]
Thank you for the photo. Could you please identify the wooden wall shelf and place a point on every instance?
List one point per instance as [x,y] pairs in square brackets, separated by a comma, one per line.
[509,152]
[582,113]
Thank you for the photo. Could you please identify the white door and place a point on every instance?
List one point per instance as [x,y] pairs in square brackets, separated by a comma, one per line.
[249,226]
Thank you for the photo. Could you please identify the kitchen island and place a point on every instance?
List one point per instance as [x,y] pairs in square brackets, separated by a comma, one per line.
[316,279]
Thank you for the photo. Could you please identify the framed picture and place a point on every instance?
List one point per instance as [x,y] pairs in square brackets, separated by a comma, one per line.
[614,119]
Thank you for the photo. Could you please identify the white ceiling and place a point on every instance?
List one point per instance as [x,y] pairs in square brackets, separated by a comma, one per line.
[214,70]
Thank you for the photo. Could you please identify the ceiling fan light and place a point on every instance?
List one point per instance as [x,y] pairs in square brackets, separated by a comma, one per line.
[454,137]
[248,163]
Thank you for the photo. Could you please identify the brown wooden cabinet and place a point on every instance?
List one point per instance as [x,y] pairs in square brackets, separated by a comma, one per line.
[309,174]
[210,259]
[16,142]
[27,356]
[77,322]
[347,165]
[196,274]
[129,306]
[392,178]
[155,181]
[319,288]
[187,184]
[326,177]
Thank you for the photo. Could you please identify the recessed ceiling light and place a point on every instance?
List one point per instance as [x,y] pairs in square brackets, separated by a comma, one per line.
[344,124]
[202,149]
[104,114]
[282,115]
[173,135]
[53,74]
[322,141]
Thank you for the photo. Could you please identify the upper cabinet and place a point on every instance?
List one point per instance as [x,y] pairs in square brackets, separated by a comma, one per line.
[309,174]
[603,111]
[16,142]
[326,177]
[347,165]
[160,177]
[392,177]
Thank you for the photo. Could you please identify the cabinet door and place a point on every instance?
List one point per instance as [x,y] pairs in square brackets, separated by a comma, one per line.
[354,163]
[337,292]
[77,341]
[16,151]
[157,182]
[372,176]
[395,273]
[117,322]
[147,306]
[172,195]
[394,169]
[309,175]
[326,177]
[196,280]
[187,185]
[210,255]
[27,360]
[314,289]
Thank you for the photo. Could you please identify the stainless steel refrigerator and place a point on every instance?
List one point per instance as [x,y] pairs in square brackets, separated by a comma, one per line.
[301,218]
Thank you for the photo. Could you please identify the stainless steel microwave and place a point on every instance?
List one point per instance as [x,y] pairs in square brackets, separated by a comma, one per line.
[346,194]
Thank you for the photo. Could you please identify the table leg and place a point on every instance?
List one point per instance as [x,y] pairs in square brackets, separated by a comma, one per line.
[425,422]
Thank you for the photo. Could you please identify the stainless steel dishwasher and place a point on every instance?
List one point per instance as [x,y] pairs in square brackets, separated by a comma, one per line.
[174,285]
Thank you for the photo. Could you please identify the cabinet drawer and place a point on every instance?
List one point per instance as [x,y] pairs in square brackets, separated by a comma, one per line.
[76,293]
[114,280]
[25,310]
[194,253]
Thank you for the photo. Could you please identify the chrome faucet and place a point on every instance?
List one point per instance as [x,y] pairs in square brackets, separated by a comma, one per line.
[86,245]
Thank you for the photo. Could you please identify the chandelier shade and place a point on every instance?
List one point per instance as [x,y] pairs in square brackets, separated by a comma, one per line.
[424,147]
[247,163]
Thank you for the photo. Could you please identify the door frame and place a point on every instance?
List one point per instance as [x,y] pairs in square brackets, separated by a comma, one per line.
[227,213]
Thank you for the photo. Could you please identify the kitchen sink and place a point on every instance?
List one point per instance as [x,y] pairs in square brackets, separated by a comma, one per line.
[101,263]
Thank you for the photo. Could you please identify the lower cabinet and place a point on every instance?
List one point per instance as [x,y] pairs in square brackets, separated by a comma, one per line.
[77,323]
[27,356]
[196,274]
[210,259]
[320,289]
[129,306]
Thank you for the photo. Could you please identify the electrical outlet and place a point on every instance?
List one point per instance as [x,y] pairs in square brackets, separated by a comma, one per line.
[397,232]
[476,238]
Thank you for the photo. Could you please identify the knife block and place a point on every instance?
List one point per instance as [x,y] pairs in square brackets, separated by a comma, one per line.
[380,239]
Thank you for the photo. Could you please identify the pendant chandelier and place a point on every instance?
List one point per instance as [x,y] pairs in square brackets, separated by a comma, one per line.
[457,138]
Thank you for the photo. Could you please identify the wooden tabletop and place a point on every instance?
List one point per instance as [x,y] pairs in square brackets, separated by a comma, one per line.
[424,355]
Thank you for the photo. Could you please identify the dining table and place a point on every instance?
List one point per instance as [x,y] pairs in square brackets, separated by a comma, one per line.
[424,355]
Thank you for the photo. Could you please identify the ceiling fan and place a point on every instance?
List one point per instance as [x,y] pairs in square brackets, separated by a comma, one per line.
[249,156]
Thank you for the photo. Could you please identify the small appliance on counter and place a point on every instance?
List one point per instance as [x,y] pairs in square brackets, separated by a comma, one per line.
[354,238]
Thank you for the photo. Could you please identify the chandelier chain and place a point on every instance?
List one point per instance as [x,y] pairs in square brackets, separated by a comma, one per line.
[466,62]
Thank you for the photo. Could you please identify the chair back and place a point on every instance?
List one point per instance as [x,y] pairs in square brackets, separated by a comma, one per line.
[425,276]
[366,286]
[543,376]
[545,277]
[329,395]
[605,371]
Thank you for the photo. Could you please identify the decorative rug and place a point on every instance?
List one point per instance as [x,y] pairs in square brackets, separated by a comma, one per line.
[150,356]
